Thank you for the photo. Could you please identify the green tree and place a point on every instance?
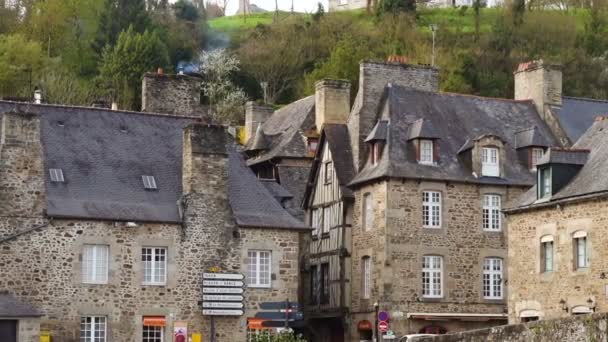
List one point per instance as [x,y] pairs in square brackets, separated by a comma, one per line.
[21,62]
[117,16]
[185,10]
[124,64]
[395,6]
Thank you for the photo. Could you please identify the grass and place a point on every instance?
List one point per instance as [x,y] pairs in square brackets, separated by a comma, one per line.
[239,22]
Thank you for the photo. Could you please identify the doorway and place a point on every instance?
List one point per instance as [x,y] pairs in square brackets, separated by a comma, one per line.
[8,330]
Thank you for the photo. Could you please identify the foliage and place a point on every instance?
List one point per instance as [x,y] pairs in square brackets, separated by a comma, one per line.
[124,64]
[281,337]
[185,10]
[116,17]
[396,6]
[226,100]
[20,61]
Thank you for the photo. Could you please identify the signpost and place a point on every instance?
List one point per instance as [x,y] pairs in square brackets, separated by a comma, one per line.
[222,296]
[280,314]
[383,326]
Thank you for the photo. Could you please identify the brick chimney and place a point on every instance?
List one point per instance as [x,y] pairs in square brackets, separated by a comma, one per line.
[255,115]
[171,94]
[373,79]
[332,102]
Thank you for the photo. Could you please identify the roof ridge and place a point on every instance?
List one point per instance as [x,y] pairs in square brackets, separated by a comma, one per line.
[585,99]
[18,103]
[461,94]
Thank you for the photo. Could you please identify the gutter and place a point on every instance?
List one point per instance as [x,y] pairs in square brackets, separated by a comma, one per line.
[566,200]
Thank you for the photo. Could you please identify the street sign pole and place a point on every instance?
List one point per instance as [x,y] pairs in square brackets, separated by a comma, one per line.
[212,330]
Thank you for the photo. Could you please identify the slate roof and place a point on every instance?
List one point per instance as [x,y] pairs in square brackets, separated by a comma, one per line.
[259,142]
[379,132]
[590,181]
[577,114]
[284,131]
[10,306]
[529,138]
[564,156]
[457,118]
[422,128]
[278,191]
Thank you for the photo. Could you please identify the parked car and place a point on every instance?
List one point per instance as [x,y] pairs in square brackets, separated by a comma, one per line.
[414,337]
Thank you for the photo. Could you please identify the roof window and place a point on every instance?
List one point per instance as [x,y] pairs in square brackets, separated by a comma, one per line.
[56,175]
[149,182]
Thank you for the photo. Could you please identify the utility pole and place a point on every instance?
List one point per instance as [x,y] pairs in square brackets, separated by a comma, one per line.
[276,10]
[292,7]
[433,30]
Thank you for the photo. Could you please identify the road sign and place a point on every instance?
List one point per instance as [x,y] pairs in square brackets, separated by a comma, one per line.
[223,298]
[383,326]
[223,305]
[222,312]
[279,316]
[230,276]
[383,316]
[278,305]
[279,324]
[390,335]
[233,283]
[231,290]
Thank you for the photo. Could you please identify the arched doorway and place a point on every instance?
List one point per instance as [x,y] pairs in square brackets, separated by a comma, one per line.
[433,329]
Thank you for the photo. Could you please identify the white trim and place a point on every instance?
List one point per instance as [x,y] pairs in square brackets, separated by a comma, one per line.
[581,309]
[433,273]
[491,215]
[254,270]
[430,204]
[490,162]
[430,149]
[155,266]
[579,234]
[529,313]
[546,238]
[492,278]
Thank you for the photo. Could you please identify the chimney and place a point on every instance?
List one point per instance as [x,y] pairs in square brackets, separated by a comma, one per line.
[255,115]
[114,105]
[37,96]
[539,82]
[373,79]
[332,102]
[175,94]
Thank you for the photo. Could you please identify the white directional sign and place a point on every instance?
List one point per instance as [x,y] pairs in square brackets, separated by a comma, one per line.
[235,283]
[231,290]
[220,312]
[230,276]
[223,305]
[223,297]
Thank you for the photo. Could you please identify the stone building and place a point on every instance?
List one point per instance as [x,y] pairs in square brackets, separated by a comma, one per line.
[108,220]
[557,234]
[406,211]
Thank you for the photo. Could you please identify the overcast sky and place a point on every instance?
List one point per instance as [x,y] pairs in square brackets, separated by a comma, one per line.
[299,5]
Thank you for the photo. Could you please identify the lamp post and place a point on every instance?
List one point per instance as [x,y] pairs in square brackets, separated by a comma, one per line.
[433,31]
[376,309]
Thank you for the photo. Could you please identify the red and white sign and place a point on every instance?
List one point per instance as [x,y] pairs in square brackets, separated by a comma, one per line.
[383,326]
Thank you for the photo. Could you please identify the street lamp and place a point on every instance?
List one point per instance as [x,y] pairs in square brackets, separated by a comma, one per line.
[376,308]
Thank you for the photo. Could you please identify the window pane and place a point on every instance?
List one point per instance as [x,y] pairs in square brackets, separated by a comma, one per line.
[95,263]
[431,276]
[259,268]
[492,278]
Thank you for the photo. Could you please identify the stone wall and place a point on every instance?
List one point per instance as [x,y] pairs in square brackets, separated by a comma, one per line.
[172,94]
[574,329]
[550,294]
[398,242]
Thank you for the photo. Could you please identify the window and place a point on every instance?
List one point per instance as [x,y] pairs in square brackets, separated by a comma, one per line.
[581,258]
[317,221]
[492,278]
[152,334]
[149,182]
[324,283]
[432,268]
[93,329]
[368,212]
[313,144]
[536,155]
[489,162]
[329,172]
[155,265]
[95,264]
[431,209]
[366,274]
[56,175]
[426,151]
[491,212]
[546,250]
[258,268]
[376,153]
[314,284]
[266,172]
[544,183]
[326,220]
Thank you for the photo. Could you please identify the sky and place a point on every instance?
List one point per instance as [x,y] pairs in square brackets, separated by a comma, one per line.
[285,5]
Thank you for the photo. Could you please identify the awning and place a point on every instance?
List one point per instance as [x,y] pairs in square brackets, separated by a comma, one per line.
[256,324]
[442,316]
[154,321]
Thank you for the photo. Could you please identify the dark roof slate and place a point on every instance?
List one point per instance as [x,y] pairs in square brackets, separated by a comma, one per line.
[564,156]
[457,119]
[530,137]
[284,131]
[259,142]
[278,191]
[10,306]
[577,114]
[379,132]
[422,129]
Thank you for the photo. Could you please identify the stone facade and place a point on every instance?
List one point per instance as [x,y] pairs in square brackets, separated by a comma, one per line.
[397,243]
[172,94]
[41,258]
[564,290]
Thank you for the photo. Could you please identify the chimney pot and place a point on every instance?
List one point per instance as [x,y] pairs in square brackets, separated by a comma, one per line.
[255,115]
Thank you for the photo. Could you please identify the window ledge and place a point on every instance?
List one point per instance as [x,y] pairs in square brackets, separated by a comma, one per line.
[492,230]
[431,299]
[154,284]
[94,283]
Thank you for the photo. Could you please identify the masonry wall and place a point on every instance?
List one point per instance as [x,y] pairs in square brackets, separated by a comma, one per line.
[531,289]
[574,329]
[172,94]
[398,242]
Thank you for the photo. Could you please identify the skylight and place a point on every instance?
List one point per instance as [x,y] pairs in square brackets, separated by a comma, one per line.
[149,182]
[56,175]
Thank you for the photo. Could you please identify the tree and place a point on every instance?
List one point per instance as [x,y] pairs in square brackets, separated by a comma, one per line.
[124,64]
[226,100]
[395,6]
[185,10]
[118,16]
[21,61]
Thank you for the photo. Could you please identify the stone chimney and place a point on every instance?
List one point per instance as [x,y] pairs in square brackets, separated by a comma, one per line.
[255,115]
[332,102]
[171,94]
[373,79]
[542,83]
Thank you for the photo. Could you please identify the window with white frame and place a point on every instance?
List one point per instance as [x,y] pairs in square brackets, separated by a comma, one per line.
[431,209]
[368,212]
[366,274]
[432,274]
[93,329]
[327,222]
[155,265]
[544,182]
[258,268]
[328,172]
[581,257]
[152,334]
[490,162]
[95,264]
[491,212]
[537,154]
[546,250]
[426,151]
[492,278]
[316,221]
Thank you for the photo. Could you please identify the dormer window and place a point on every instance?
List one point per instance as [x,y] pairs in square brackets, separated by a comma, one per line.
[376,153]
[536,153]
[544,182]
[426,151]
[149,182]
[56,175]
[490,162]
